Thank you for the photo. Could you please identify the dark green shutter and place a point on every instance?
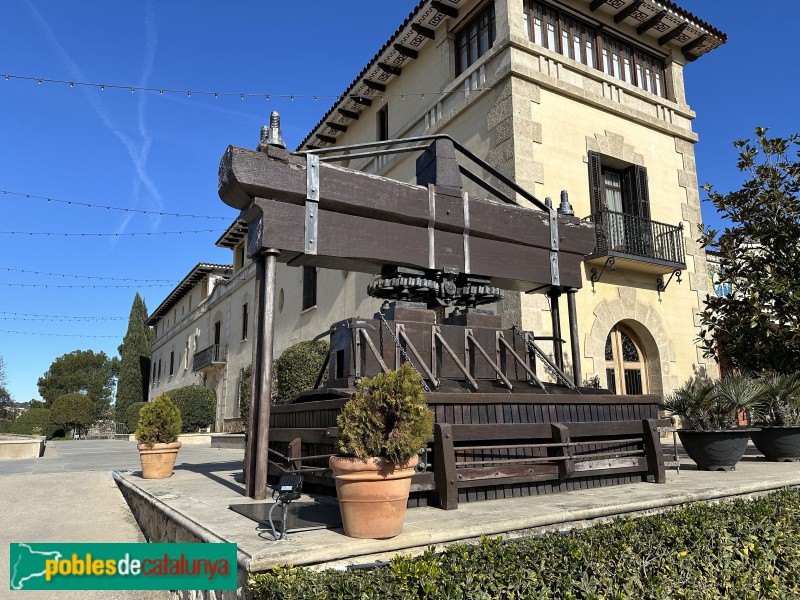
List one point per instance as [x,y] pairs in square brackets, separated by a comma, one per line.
[596,183]
[643,194]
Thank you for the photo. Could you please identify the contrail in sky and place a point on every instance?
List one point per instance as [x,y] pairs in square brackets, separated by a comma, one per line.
[138,153]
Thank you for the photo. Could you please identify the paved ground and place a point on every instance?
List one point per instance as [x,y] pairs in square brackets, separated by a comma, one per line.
[69,496]
[204,494]
[101,455]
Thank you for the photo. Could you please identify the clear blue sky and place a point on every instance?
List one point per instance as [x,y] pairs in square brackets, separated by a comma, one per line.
[161,152]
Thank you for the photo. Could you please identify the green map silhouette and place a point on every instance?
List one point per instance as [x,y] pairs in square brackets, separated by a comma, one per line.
[27,563]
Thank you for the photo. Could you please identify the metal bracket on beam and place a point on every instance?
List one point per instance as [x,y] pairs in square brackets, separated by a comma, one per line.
[661,286]
[467,268]
[595,276]
[312,203]
[431,226]
[555,277]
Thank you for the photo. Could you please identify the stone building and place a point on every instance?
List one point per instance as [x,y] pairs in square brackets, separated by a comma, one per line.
[579,95]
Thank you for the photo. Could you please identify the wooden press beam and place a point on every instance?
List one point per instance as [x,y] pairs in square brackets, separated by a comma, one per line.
[508,242]
[596,4]
[390,69]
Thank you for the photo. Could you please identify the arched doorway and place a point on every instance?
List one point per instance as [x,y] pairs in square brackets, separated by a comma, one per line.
[625,362]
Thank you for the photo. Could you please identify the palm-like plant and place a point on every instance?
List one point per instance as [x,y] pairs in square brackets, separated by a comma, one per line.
[780,403]
[706,405]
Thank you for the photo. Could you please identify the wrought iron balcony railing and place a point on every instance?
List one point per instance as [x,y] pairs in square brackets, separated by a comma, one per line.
[213,355]
[630,236]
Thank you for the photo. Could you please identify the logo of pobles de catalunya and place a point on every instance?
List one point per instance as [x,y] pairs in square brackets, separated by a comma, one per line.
[123,566]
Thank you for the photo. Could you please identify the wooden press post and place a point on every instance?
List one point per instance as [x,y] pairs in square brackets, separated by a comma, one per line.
[575,349]
[256,454]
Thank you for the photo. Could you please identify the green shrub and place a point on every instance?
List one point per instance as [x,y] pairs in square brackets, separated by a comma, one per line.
[33,418]
[737,549]
[198,406]
[707,405]
[159,422]
[296,370]
[388,417]
[131,416]
[780,404]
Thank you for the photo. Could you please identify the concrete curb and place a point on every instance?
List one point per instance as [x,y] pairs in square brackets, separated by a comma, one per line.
[194,528]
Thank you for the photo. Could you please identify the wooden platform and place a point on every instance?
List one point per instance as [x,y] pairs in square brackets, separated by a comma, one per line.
[599,440]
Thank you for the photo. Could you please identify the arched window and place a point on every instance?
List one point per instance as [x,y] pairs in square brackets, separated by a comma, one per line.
[625,362]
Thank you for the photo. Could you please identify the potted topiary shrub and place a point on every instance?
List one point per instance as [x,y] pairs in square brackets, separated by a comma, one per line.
[709,412]
[381,430]
[778,415]
[157,433]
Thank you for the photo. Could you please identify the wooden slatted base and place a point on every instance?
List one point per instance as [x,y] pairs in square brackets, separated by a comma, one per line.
[505,445]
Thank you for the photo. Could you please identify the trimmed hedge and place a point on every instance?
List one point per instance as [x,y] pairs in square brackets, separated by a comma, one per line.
[297,368]
[198,406]
[38,419]
[737,549]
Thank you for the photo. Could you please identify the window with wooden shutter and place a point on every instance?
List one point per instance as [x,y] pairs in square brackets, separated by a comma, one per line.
[620,206]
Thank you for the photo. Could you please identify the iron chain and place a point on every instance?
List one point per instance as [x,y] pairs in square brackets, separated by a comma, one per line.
[403,352]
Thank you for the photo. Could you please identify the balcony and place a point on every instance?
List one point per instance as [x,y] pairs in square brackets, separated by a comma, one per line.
[210,357]
[638,244]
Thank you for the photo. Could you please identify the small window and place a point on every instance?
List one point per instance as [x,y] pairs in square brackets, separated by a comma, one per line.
[309,287]
[475,38]
[244,321]
[171,363]
[186,356]
[383,123]
[159,370]
[154,374]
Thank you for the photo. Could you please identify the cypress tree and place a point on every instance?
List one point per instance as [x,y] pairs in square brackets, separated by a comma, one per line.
[134,371]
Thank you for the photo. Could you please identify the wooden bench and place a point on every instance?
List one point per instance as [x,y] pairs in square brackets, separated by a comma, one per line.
[470,456]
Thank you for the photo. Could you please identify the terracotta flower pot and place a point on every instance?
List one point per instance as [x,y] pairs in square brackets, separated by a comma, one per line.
[158,460]
[778,443]
[372,495]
